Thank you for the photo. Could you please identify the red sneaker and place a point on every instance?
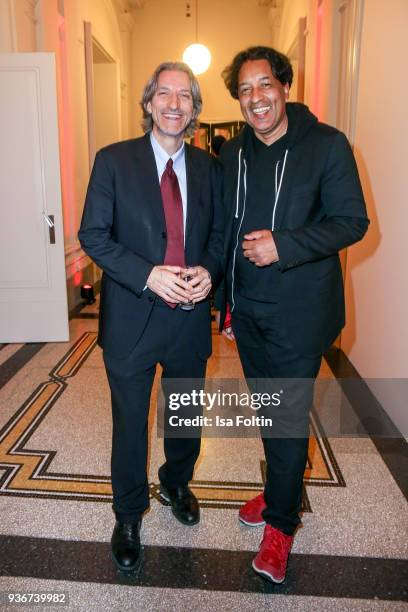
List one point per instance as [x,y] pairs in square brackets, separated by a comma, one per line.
[272,559]
[251,512]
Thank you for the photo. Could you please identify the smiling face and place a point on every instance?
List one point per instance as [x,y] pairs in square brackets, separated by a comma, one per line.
[263,100]
[171,107]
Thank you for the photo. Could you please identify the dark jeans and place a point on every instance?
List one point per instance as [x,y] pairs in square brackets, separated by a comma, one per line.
[167,340]
[266,352]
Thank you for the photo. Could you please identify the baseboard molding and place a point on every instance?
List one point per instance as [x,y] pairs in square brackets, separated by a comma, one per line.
[386,437]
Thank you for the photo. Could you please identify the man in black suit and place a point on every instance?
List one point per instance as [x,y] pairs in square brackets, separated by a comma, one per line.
[292,199]
[150,213]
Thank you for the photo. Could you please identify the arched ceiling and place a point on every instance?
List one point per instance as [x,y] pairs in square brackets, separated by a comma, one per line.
[126,10]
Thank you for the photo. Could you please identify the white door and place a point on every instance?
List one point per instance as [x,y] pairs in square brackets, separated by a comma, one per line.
[33,295]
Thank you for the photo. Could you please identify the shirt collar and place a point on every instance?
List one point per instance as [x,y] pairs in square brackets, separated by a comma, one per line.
[162,156]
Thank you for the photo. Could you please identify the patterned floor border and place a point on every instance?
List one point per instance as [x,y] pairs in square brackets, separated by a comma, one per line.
[27,472]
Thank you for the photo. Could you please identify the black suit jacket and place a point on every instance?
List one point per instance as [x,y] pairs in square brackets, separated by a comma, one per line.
[123,230]
[320,211]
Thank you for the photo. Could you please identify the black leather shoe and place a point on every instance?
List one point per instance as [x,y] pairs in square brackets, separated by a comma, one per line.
[184,504]
[125,543]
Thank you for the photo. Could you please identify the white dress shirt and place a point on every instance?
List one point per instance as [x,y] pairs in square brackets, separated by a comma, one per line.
[179,167]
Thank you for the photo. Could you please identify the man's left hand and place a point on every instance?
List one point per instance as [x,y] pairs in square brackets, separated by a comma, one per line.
[200,282]
[259,247]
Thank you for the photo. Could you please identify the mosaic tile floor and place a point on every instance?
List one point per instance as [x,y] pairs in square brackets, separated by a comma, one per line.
[55,502]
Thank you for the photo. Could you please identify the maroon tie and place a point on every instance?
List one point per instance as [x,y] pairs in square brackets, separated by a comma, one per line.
[173,212]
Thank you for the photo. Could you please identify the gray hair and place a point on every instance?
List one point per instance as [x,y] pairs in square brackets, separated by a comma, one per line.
[151,88]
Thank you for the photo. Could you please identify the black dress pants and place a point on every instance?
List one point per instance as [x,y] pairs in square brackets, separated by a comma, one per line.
[266,353]
[167,339]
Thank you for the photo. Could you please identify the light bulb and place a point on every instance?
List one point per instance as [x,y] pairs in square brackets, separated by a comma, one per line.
[197,57]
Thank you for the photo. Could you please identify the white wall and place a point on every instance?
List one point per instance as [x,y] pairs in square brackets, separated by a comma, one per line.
[106,31]
[162,32]
[17,26]
[73,101]
[106,104]
[321,75]
[37,26]
[376,335]
[292,11]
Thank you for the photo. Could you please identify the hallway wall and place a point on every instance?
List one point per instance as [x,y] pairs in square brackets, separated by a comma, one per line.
[321,51]
[17,26]
[376,336]
[57,26]
[162,32]
[106,31]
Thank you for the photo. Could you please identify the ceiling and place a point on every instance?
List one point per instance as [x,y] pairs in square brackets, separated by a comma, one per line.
[126,10]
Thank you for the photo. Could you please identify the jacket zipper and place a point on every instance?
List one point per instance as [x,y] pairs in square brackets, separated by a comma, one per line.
[240,224]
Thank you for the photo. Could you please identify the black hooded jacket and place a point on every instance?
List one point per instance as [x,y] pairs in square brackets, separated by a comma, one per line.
[318,211]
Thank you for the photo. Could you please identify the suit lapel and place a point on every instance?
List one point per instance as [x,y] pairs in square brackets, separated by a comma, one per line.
[147,177]
[193,190]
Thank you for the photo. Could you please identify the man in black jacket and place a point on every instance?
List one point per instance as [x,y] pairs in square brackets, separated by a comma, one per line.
[292,200]
[150,213]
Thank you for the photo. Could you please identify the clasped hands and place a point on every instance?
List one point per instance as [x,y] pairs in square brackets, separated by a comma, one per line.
[259,247]
[169,284]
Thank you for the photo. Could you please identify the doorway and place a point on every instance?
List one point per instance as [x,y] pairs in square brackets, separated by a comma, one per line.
[103,95]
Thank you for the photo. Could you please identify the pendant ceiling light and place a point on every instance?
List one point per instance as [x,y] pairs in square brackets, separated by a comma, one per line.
[197,56]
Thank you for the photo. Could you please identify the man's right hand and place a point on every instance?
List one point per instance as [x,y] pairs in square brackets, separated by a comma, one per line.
[165,281]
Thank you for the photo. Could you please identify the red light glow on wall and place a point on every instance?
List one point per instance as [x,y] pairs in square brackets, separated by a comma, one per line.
[65,133]
[78,278]
[316,100]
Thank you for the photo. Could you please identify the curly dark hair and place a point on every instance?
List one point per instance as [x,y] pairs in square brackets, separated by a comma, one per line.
[279,63]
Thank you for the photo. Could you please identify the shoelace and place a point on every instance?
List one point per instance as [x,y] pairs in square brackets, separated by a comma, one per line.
[275,546]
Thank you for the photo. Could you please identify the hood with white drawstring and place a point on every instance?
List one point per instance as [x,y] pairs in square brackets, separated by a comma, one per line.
[299,121]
